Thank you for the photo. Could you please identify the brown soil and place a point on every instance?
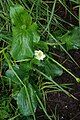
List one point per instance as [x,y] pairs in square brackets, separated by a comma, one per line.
[67,108]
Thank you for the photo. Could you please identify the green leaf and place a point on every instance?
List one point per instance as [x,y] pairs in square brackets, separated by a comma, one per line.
[51,69]
[9,73]
[22,47]
[22,71]
[20,17]
[24,33]
[35,61]
[33,33]
[25,67]
[42,46]
[72,39]
[23,103]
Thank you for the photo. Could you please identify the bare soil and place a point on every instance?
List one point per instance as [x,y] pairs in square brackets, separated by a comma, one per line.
[67,108]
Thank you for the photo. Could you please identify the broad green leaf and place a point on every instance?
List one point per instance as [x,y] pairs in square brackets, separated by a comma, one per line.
[20,17]
[33,33]
[23,103]
[51,69]
[22,71]
[72,39]
[24,33]
[22,47]
[25,67]
[9,73]
[36,62]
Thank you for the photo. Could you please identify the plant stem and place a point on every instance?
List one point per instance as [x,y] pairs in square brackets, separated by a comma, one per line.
[50,79]
[4,49]
[52,13]
[61,47]
[68,9]
[77,79]
[30,104]
[43,107]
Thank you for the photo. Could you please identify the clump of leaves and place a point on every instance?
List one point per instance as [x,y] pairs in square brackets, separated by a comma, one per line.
[24,41]
[23,64]
[24,33]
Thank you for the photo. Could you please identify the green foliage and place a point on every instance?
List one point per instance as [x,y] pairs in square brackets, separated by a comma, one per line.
[52,70]
[22,100]
[24,33]
[6,38]
[4,109]
[21,47]
[72,39]
[19,17]
[25,41]
[25,67]
[3,114]
[42,45]
[11,76]
[23,70]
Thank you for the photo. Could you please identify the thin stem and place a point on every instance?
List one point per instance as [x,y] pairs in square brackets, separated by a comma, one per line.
[50,79]
[43,107]
[30,104]
[4,49]
[64,49]
[63,68]
[68,10]
[14,117]
[52,13]
[61,47]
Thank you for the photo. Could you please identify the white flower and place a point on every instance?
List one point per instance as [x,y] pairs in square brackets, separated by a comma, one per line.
[39,55]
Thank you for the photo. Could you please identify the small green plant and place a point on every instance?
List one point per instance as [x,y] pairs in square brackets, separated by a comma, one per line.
[26,52]
[29,66]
